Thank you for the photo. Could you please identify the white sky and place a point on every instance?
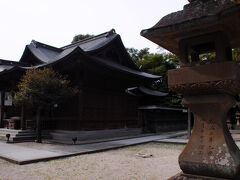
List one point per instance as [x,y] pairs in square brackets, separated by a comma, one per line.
[55,22]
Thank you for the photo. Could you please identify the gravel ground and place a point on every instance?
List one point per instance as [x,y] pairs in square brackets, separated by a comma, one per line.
[120,164]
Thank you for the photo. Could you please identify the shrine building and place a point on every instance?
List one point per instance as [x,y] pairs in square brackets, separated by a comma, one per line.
[102,70]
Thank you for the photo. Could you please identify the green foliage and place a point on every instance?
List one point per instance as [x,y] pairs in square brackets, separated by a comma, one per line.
[171,100]
[208,56]
[212,55]
[143,52]
[42,87]
[158,64]
[236,57]
[136,54]
[133,54]
[236,54]
[81,37]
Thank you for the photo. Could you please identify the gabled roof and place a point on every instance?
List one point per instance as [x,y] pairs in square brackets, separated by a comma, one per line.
[41,55]
[94,43]
[47,54]
[7,64]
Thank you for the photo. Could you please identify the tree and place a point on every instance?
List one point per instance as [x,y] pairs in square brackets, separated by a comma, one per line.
[159,64]
[136,54]
[143,52]
[81,37]
[133,54]
[41,89]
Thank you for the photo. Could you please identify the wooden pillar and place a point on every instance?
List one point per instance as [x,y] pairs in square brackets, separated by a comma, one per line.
[189,123]
[38,123]
[141,120]
[2,109]
[23,122]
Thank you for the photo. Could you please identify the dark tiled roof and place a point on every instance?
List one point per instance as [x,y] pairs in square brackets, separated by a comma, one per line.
[124,69]
[46,54]
[152,92]
[49,55]
[110,65]
[141,91]
[5,67]
[7,64]
[93,43]
[155,107]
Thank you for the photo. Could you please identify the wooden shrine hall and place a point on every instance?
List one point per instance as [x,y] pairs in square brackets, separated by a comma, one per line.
[102,70]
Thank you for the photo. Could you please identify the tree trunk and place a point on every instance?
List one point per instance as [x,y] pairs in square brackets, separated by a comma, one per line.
[2,109]
[38,123]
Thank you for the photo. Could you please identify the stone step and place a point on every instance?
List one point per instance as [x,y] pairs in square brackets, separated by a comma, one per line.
[17,135]
[54,134]
[92,134]
[23,138]
[89,136]
[14,131]
[25,134]
[237,131]
[134,130]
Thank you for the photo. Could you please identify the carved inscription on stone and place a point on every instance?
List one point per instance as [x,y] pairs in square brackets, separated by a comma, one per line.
[206,141]
[201,144]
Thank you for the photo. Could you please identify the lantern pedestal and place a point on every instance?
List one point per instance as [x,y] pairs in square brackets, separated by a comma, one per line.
[182,176]
[211,150]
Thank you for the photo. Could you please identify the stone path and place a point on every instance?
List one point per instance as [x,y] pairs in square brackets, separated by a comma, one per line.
[173,140]
[19,155]
[24,153]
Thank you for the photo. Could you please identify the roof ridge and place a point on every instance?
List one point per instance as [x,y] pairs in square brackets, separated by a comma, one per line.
[39,44]
[106,34]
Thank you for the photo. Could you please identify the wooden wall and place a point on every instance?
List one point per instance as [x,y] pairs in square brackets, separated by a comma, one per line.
[93,111]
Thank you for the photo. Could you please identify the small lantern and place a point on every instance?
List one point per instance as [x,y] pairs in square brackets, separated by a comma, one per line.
[8,136]
[74,139]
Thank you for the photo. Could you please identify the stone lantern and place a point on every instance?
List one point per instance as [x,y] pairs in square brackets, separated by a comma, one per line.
[207,85]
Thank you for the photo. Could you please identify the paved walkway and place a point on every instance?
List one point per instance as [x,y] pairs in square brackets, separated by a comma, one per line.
[24,153]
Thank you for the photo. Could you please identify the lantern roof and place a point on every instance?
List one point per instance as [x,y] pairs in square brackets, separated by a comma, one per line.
[197,18]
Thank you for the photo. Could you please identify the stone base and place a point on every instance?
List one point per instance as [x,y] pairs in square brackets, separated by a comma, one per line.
[182,176]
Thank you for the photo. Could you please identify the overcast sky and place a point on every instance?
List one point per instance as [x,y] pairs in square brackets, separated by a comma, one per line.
[55,22]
